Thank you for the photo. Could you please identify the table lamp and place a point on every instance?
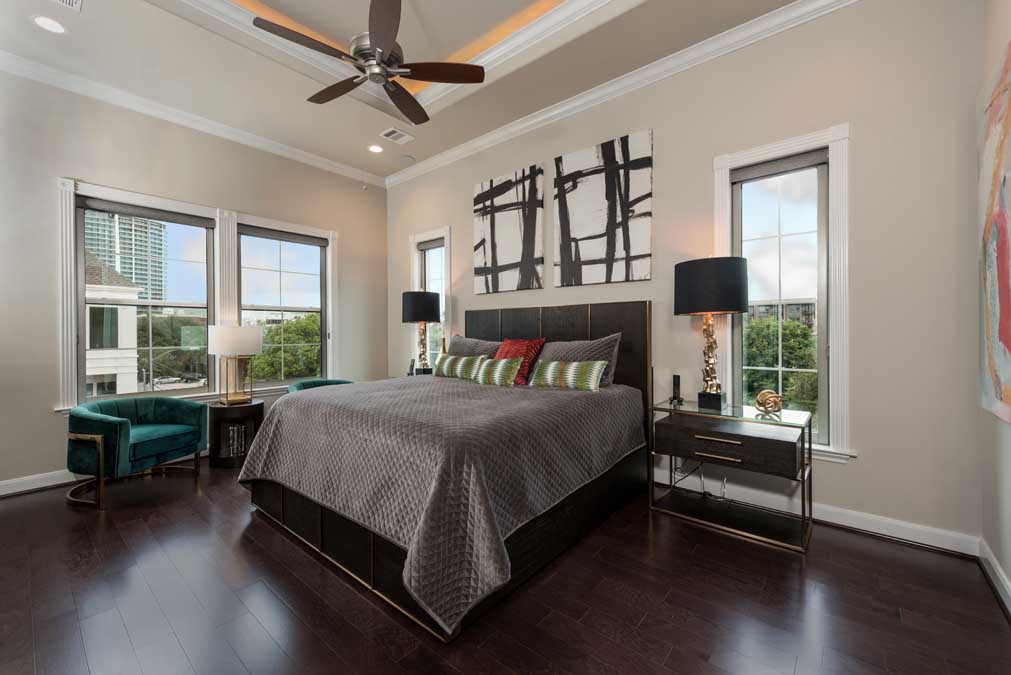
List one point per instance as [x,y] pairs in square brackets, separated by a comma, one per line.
[421,307]
[235,345]
[706,287]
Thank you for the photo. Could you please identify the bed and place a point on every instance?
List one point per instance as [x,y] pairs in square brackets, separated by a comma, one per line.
[441,496]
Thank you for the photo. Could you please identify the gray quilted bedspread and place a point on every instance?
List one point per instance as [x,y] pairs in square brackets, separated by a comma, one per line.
[445,468]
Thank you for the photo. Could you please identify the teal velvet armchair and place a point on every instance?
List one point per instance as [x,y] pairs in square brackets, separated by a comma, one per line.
[312,384]
[120,437]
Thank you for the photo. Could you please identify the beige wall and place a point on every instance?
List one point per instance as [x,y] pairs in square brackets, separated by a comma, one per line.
[47,133]
[996,440]
[905,74]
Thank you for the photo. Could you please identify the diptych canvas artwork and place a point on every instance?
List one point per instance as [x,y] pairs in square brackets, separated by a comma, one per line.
[508,232]
[604,212]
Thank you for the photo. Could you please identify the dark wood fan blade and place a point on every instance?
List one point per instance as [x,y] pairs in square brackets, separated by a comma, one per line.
[384,24]
[304,40]
[406,103]
[336,90]
[457,73]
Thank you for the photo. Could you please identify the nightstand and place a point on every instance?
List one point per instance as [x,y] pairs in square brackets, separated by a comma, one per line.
[777,445]
[230,432]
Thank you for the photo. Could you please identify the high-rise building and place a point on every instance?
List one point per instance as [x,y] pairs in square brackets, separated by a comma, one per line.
[132,247]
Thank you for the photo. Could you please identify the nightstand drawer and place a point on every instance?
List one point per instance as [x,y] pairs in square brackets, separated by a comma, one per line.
[746,445]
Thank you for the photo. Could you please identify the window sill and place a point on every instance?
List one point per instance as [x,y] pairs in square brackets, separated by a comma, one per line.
[828,454]
[208,397]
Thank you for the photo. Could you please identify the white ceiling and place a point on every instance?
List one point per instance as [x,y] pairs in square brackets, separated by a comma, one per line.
[179,54]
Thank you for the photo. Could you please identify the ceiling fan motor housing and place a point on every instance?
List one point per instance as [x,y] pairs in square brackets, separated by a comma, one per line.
[361,49]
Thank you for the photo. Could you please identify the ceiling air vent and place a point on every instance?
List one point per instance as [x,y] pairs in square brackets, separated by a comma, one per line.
[397,136]
[70,4]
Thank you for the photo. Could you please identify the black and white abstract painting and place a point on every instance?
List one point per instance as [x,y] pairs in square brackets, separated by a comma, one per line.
[508,235]
[604,212]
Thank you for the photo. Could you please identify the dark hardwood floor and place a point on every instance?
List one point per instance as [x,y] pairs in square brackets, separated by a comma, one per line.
[181,577]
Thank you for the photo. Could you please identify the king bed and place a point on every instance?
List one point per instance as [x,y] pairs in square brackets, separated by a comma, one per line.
[442,495]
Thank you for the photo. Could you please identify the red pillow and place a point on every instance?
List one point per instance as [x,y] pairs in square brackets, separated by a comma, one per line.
[525,349]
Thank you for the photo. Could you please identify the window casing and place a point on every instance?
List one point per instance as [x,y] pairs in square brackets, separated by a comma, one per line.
[779,215]
[144,300]
[282,288]
[431,266]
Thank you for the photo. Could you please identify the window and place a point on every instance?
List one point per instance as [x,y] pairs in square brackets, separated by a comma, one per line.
[780,224]
[281,287]
[431,258]
[144,280]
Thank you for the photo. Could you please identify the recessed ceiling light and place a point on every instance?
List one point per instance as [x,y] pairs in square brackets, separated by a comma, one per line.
[375,149]
[51,25]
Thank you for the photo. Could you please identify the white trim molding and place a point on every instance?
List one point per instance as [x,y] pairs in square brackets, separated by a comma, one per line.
[993,568]
[837,140]
[789,501]
[76,84]
[761,28]
[67,320]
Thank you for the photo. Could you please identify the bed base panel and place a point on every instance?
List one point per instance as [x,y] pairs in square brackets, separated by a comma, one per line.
[377,563]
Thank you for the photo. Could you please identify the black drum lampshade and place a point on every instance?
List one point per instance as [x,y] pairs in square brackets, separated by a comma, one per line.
[711,286]
[421,307]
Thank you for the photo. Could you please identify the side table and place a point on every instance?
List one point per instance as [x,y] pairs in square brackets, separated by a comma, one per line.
[230,432]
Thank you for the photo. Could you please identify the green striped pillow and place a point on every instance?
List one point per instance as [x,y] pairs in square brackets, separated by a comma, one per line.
[460,367]
[582,375]
[500,372]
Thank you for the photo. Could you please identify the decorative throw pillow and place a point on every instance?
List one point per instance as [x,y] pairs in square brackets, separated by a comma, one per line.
[500,372]
[464,346]
[460,367]
[603,349]
[582,375]
[525,350]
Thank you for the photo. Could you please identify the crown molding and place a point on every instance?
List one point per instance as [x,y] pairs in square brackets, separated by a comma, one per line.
[760,28]
[22,67]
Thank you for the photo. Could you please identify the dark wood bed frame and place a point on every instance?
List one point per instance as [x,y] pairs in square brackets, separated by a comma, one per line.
[378,563]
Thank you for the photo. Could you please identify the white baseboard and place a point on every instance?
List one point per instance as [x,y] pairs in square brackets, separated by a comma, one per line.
[996,573]
[37,482]
[948,540]
[41,481]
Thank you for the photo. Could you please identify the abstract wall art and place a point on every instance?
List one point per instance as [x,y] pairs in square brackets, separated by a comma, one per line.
[996,250]
[604,212]
[508,232]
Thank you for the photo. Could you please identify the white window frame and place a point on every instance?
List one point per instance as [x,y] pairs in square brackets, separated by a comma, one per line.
[417,282]
[226,275]
[837,140]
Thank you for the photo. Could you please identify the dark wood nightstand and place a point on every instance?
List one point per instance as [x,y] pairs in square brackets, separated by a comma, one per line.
[776,445]
[230,432]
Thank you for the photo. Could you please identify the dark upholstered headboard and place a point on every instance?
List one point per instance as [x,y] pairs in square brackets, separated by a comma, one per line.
[633,320]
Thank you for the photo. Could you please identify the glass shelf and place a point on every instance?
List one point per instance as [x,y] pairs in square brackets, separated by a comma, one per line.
[786,418]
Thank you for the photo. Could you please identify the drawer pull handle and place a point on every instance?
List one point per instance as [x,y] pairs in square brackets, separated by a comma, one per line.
[725,441]
[719,457]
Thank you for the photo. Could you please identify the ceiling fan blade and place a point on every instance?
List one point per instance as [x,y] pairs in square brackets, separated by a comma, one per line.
[456,73]
[304,40]
[384,24]
[406,103]
[336,90]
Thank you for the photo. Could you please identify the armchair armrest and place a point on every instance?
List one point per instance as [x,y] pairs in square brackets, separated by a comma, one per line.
[115,431]
[181,411]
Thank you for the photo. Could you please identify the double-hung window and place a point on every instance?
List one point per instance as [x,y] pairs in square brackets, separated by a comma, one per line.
[282,289]
[431,261]
[144,283]
[780,224]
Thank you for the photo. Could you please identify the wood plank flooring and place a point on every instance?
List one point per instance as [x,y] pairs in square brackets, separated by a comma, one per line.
[180,576]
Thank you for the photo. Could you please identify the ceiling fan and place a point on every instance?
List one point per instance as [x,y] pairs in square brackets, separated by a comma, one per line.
[380,59]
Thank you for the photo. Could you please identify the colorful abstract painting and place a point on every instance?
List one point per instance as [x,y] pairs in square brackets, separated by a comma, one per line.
[996,256]
[508,222]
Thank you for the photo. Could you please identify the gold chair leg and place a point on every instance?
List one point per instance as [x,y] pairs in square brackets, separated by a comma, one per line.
[99,500]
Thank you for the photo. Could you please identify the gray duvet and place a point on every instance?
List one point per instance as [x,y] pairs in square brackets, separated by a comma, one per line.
[445,468]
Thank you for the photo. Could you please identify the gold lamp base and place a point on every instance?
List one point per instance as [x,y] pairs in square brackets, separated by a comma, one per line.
[237,377]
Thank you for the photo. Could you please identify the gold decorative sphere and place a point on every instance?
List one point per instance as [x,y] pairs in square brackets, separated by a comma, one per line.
[769,401]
